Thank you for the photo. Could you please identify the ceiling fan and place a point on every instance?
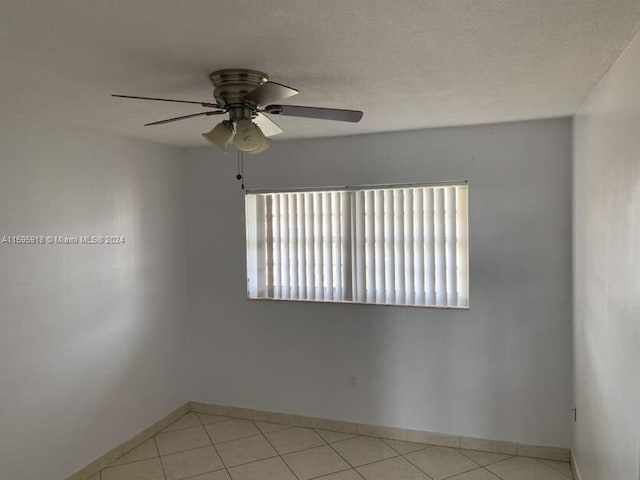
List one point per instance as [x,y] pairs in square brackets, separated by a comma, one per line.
[246,95]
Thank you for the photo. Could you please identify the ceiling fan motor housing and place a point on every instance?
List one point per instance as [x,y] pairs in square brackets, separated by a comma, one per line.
[230,87]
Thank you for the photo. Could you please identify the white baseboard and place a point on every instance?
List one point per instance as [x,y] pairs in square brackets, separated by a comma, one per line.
[116,452]
[418,436]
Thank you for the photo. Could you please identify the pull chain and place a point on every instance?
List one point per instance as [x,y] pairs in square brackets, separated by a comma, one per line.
[240,174]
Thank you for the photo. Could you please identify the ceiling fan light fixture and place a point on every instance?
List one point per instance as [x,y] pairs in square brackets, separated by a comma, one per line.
[220,135]
[266,142]
[249,137]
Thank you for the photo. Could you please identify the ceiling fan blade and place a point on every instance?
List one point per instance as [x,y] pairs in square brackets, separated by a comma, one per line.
[268,126]
[315,112]
[183,117]
[203,104]
[269,92]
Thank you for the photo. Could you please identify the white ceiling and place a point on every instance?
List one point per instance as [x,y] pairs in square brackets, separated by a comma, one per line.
[407,64]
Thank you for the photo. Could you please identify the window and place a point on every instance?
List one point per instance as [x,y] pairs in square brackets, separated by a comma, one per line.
[383,245]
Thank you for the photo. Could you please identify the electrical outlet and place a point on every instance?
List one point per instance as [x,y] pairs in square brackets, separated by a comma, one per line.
[353,380]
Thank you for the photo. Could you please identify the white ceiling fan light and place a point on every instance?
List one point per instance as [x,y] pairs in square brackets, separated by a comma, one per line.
[266,143]
[249,137]
[220,135]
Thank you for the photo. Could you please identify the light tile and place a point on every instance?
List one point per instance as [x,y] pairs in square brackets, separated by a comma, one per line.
[294,440]
[479,474]
[271,469]
[245,450]
[187,421]
[522,468]
[405,447]
[145,450]
[266,427]
[150,469]
[315,462]
[219,475]
[331,436]
[484,458]
[562,467]
[206,419]
[180,440]
[231,430]
[361,450]
[192,462]
[345,475]
[395,468]
[441,462]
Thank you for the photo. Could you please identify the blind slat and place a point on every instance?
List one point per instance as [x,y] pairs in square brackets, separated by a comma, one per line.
[346,246]
[379,246]
[462,245]
[409,264]
[300,253]
[418,250]
[370,259]
[439,246]
[293,245]
[310,252]
[317,243]
[359,247]
[389,248]
[450,245]
[398,242]
[284,246]
[429,248]
[327,250]
[277,288]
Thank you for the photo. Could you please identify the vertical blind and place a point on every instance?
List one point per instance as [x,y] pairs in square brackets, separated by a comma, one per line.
[399,245]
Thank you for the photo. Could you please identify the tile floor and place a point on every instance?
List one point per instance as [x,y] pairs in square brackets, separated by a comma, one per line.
[209,447]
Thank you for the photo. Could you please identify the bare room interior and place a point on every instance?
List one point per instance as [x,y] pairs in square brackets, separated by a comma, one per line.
[334,240]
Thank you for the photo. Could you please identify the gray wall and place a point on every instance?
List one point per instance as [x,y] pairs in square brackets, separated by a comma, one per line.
[607,274]
[91,337]
[501,370]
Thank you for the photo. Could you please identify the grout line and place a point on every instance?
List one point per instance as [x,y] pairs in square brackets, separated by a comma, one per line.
[253,461]
[424,447]
[160,458]
[348,462]
[467,456]
[224,465]
[214,446]
[409,460]
[205,473]
[462,473]
[539,460]
[236,439]
[279,456]
[494,473]
[491,473]
[324,475]
[554,468]
[138,461]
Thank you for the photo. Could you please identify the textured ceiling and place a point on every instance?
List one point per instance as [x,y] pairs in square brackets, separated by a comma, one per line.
[407,63]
